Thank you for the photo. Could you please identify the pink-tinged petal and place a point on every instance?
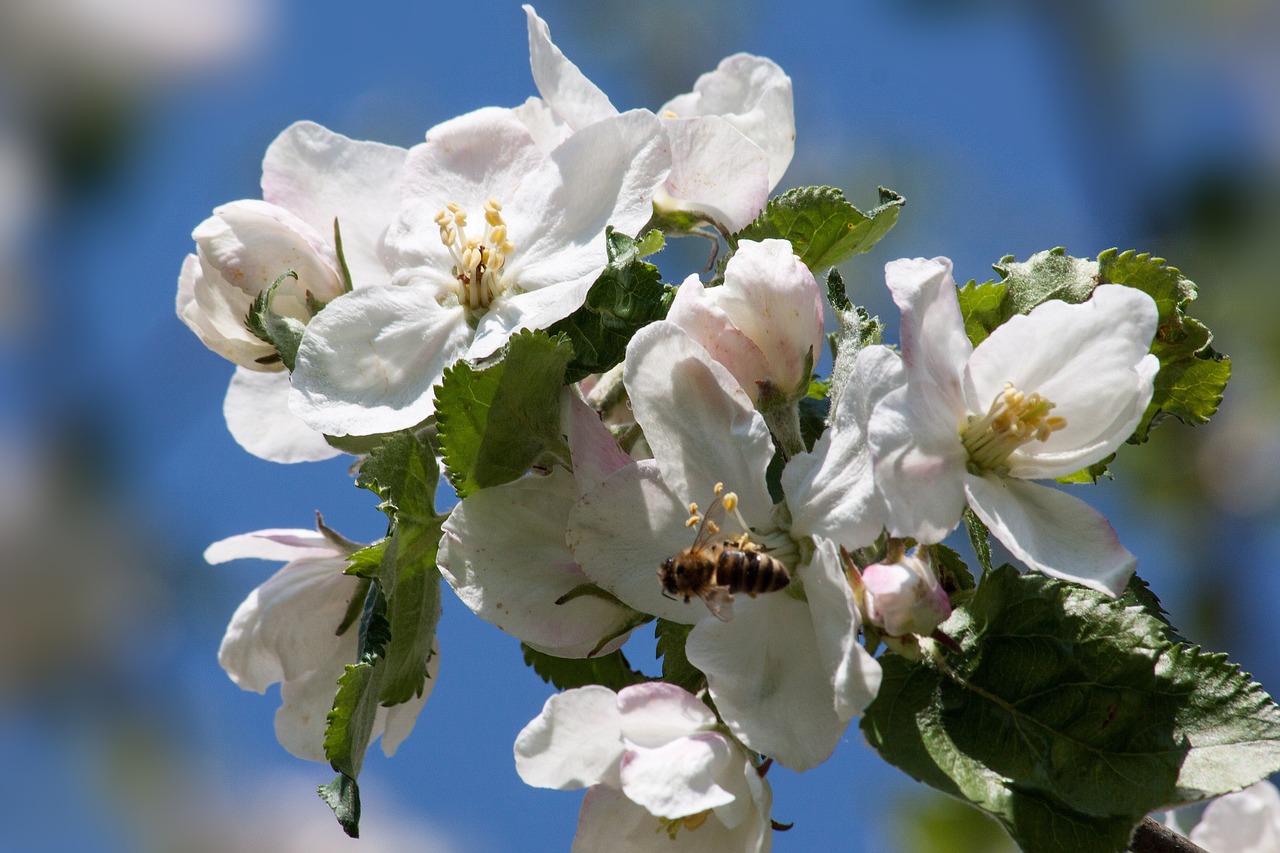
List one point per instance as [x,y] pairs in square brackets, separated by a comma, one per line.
[919,473]
[368,362]
[764,670]
[680,778]
[656,713]
[574,743]
[1052,532]
[754,95]
[321,175]
[595,451]
[257,412]
[763,323]
[715,170]
[252,243]
[831,490]
[701,425]
[286,627]
[621,532]
[565,88]
[934,345]
[274,544]
[1091,360]
[610,821]
[503,551]
[836,620]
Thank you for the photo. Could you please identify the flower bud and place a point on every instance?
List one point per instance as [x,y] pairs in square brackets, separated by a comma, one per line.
[904,597]
[764,323]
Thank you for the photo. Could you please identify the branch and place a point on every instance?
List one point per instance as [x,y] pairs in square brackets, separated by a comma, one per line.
[1154,837]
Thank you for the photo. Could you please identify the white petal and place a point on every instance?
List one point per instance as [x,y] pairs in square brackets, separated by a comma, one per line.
[656,713]
[764,671]
[305,702]
[919,473]
[831,491]
[754,95]
[368,362]
[504,553]
[215,312]
[566,89]
[934,345]
[715,170]
[1052,532]
[610,821]
[274,544]
[546,126]
[680,778]
[321,175]
[1247,821]
[836,620]
[257,412]
[1089,359]
[621,532]
[574,743]
[252,243]
[699,422]
[285,628]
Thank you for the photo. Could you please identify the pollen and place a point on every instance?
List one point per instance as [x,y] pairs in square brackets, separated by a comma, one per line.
[1014,419]
[478,262]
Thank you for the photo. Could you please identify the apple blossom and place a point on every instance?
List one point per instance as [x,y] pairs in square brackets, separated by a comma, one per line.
[731,138]
[973,425]
[786,673]
[660,773]
[1247,821]
[764,323]
[367,364]
[311,177]
[287,631]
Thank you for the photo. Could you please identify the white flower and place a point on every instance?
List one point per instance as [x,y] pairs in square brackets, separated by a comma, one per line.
[732,137]
[661,776]
[904,596]
[1247,821]
[786,673]
[503,551]
[1044,396]
[494,235]
[764,323]
[286,631]
[310,177]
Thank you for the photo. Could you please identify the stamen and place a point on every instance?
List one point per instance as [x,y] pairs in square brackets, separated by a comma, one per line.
[1014,419]
[477,263]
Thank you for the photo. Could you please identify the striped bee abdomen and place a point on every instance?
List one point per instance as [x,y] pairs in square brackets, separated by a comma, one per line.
[751,572]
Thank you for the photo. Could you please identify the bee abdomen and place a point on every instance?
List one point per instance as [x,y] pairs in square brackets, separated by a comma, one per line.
[751,572]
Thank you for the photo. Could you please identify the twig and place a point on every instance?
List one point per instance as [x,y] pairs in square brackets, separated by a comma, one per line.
[1154,837]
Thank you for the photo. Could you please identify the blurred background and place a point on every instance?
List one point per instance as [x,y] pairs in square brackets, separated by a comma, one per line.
[1010,127]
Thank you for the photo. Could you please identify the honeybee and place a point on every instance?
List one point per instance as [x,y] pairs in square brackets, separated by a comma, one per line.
[714,567]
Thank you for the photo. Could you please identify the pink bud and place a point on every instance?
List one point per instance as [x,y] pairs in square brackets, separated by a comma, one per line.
[905,597]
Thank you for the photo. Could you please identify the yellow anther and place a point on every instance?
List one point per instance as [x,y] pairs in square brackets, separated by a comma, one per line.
[1014,419]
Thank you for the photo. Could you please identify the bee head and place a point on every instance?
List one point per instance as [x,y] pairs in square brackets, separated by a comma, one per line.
[667,574]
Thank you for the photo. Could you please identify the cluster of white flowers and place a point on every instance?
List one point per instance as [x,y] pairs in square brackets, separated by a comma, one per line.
[405,262]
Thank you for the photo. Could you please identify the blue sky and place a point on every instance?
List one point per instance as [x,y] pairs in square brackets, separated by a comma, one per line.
[1009,128]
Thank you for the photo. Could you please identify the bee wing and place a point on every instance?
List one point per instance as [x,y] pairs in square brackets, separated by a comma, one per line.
[711,530]
[719,601]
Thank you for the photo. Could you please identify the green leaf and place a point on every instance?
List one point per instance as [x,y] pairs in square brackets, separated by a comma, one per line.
[627,296]
[823,228]
[1068,715]
[496,422]
[283,333]
[611,670]
[980,538]
[343,796]
[982,307]
[676,668]
[855,329]
[953,572]
[402,471]
[347,285]
[1192,374]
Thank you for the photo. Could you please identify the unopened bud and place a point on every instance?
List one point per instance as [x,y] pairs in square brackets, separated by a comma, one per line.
[904,597]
